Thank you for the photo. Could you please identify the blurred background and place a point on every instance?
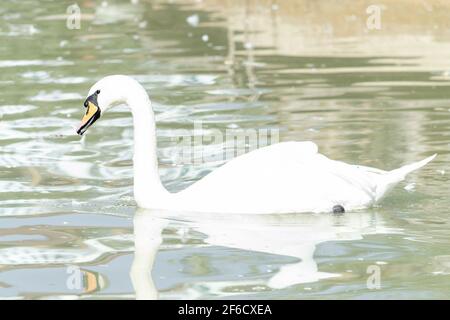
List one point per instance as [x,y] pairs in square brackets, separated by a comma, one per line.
[368,82]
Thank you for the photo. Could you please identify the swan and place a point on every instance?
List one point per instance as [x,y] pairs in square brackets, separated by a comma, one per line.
[287,177]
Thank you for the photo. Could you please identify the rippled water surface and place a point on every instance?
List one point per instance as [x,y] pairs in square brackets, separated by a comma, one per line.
[309,69]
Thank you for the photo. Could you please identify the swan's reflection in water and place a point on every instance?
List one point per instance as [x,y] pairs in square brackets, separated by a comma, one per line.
[148,230]
[287,235]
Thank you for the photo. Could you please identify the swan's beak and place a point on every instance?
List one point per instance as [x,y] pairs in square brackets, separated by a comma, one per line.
[92,114]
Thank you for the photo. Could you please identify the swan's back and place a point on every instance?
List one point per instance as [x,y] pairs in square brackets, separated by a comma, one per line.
[281,178]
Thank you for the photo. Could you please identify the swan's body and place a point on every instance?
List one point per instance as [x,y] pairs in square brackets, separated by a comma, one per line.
[286,177]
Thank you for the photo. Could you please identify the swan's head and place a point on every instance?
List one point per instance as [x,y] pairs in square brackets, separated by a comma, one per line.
[106,93]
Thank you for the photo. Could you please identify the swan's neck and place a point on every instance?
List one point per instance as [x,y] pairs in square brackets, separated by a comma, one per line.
[148,188]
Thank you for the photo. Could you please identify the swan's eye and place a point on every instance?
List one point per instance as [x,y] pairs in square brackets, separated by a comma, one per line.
[97,92]
[85,104]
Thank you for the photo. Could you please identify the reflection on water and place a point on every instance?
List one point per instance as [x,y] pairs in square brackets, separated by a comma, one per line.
[310,69]
[293,236]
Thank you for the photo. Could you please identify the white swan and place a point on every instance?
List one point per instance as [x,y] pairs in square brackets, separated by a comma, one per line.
[286,177]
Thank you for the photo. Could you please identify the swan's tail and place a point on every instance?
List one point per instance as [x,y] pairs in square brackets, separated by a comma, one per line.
[389,179]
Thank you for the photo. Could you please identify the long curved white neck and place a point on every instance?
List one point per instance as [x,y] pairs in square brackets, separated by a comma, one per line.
[147,182]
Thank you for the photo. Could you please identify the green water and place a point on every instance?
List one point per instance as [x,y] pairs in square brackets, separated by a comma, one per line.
[377,99]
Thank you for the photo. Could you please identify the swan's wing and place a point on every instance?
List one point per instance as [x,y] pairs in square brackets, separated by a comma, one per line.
[357,179]
[285,177]
[266,160]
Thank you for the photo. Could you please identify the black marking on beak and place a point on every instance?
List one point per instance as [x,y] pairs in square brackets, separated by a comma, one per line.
[92,98]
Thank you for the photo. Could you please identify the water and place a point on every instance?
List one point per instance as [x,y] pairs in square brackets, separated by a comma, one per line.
[309,69]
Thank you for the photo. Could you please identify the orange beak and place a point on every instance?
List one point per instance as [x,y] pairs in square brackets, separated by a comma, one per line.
[92,114]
